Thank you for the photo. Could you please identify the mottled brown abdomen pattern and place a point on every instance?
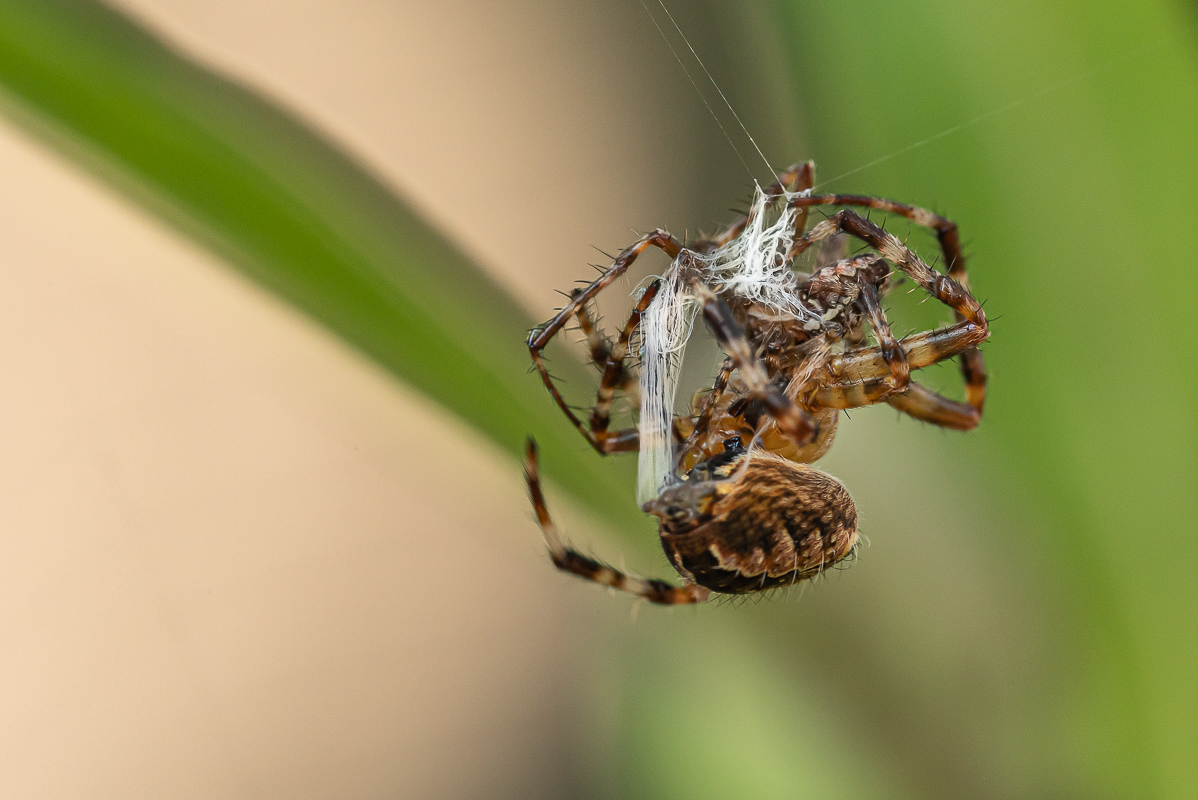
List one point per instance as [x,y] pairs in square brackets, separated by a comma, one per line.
[775,524]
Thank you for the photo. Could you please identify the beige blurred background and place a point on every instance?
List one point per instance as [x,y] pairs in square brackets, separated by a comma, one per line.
[239,560]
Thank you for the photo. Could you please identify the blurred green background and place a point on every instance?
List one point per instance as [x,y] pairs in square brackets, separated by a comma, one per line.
[1024,622]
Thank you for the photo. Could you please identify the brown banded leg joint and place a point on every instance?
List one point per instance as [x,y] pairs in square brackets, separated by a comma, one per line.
[570,560]
[972,365]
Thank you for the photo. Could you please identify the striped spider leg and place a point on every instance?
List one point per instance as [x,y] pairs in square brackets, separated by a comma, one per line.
[919,401]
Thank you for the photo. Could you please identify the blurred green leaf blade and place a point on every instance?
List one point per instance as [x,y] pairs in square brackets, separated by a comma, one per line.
[292,211]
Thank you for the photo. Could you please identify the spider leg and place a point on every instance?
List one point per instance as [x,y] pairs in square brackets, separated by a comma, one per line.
[600,350]
[942,287]
[864,377]
[973,367]
[792,420]
[924,404]
[597,346]
[614,372]
[658,238]
[922,350]
[620,441]
[804,181]
[945,229]
[892,352]
[569,560]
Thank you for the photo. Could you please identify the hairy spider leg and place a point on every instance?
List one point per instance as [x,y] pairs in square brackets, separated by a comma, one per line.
[597,346]
[973,366]
[892,352]
[870,300]
[567,559]
[923,350]
[615,376]
[613,370]
[863,377]
[600,350]
[597,343]
[604,442]
[928,406]
[942,287]
[801,427]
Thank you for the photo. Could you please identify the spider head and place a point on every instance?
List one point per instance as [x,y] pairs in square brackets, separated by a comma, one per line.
[687,504]
[684,506]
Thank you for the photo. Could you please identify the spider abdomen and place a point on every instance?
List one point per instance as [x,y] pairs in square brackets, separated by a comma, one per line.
[776,523]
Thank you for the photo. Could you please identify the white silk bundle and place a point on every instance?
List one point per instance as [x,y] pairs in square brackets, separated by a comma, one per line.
[665,330]
[753,266]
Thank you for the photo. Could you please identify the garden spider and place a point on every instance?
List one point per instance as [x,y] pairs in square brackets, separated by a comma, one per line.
[740,509]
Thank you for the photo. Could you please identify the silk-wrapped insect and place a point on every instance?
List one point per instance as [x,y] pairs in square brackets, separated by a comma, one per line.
[740,509]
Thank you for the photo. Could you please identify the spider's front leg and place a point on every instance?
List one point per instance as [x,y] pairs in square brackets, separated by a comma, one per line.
[972,326]
[864,377]
[942,287]
[568,559]
[973,367]
[922,350]
[793,421]
[892,352]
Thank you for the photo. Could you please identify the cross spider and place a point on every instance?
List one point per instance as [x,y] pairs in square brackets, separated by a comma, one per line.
[740,510]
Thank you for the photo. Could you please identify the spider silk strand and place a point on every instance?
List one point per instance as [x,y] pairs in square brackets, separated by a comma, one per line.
[752,266]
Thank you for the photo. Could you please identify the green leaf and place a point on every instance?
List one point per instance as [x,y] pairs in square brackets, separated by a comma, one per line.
[296,214]
[1060,136]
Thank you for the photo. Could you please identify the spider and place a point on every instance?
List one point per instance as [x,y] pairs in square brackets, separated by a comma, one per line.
[740,509]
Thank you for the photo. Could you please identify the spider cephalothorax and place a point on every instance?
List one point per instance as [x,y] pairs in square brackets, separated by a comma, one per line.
[739,508]
[834,292]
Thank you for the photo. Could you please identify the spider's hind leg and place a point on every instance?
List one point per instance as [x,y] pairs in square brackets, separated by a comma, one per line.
[567,559]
